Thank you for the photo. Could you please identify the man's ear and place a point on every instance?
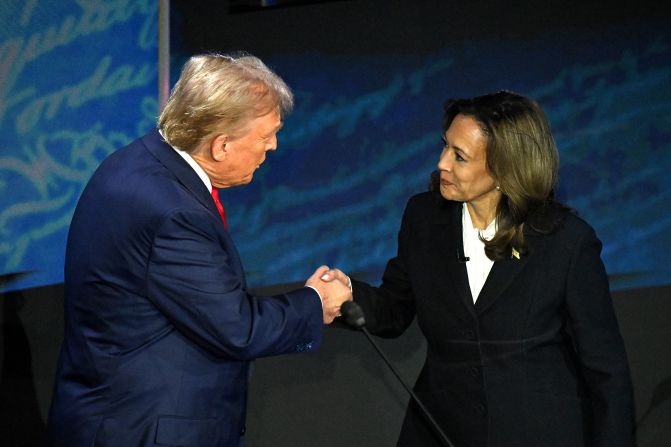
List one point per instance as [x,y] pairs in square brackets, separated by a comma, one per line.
[219,147]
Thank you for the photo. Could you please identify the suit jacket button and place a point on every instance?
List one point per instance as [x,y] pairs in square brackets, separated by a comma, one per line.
[481,409]
[243,430]
[470,335]
[475,372]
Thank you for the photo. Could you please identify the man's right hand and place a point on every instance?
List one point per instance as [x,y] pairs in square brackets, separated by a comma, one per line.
[333,293]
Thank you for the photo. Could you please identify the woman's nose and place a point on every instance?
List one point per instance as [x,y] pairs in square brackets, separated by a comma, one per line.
[444,162]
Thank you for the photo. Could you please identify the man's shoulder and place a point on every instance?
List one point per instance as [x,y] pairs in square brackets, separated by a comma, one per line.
[128,155]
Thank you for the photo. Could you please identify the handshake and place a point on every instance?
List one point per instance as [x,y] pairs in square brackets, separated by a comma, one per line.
[334,287]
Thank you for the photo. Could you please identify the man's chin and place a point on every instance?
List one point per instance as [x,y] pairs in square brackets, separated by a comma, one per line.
[240,182]
[243,181]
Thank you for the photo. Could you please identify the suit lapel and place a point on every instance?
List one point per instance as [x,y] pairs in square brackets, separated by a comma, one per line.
[500,277]
[185,174]
[452,249]
[180,168]
[502,274]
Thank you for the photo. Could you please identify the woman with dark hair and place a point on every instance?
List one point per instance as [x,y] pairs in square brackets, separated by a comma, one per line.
[510,292]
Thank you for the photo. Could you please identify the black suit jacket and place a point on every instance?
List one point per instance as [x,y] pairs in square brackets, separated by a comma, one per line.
[160,329]
[537,361]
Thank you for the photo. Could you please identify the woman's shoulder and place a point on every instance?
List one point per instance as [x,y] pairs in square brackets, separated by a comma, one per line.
[562,221]
[573,223]
[426,209]
[431,200]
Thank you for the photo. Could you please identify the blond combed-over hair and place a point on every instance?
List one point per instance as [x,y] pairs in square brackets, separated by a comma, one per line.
[220,94]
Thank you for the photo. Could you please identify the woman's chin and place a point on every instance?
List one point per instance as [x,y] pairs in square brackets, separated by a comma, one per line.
[448,195]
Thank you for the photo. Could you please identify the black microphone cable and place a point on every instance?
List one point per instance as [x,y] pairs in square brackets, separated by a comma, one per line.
[353,315]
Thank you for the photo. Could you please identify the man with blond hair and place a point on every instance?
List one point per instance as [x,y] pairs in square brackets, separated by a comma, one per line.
[160,330]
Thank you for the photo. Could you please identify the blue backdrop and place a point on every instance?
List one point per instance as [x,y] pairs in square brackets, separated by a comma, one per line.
[366,134]
[78,80]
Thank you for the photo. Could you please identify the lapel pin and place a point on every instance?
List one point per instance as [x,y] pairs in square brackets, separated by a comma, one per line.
[515,254]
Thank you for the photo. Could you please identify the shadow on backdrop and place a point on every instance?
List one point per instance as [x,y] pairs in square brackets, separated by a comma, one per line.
[21,424]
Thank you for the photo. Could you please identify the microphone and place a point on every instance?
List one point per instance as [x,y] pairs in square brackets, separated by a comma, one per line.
[354,316]
[461,257]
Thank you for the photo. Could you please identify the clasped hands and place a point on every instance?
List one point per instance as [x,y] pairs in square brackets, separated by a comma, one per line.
[333,287]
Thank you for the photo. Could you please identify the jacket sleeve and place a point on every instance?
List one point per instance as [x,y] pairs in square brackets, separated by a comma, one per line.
[390,308]
[193,281]
[600,346]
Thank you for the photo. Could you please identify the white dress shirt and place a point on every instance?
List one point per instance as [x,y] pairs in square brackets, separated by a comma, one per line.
[479,265]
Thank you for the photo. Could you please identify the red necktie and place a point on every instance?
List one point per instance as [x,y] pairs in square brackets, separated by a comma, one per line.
[220,207]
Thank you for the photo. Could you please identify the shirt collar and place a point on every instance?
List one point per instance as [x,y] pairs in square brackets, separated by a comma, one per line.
[193,163]
[467,224]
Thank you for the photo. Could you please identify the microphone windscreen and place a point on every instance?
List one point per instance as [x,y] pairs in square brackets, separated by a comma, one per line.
[353,314]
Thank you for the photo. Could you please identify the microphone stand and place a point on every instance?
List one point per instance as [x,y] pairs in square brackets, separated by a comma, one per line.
[354,317]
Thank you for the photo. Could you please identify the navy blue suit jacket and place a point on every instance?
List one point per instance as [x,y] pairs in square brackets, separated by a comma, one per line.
[160,330]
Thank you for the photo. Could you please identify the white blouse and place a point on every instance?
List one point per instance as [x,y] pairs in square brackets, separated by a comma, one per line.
[478,265]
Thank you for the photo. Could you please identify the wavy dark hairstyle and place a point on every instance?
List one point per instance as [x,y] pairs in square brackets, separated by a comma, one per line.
[522,158]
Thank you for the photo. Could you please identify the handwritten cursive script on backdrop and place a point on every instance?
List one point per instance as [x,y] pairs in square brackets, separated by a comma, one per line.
[77,81]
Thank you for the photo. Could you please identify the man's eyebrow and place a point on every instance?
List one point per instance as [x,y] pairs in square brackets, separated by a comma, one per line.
[274,130]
